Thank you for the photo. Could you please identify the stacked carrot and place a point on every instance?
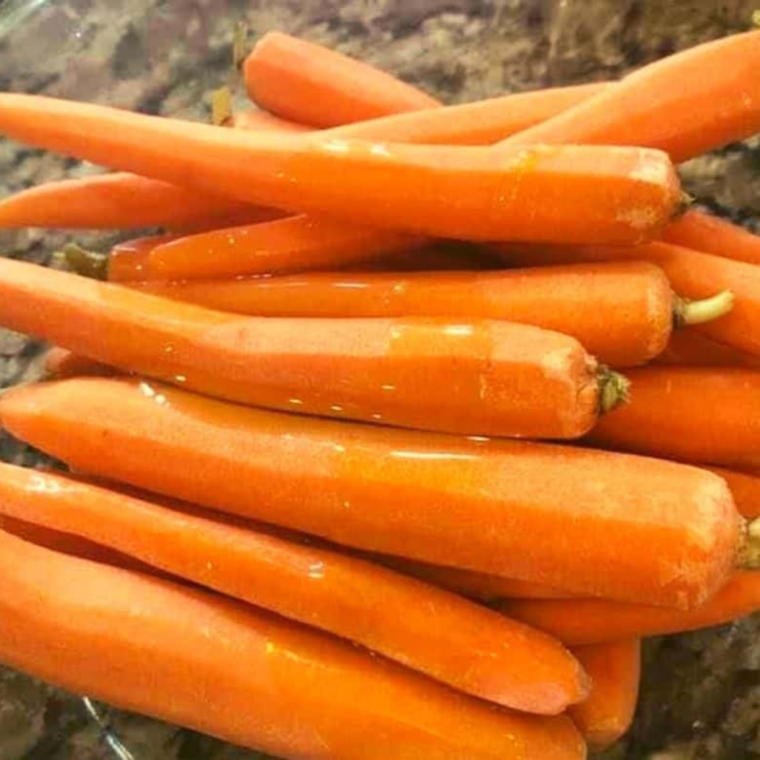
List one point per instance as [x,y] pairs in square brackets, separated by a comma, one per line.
[306,432]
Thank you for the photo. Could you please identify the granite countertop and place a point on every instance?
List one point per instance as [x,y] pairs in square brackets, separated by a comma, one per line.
[701,692]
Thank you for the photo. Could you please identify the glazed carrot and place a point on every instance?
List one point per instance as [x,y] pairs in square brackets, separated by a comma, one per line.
[579,622]
[692,414]
[615,668]
[692,349]
[311,84]
[745,488]
[467,376]
[160,648]
[670,532]
[654,107]
[622,313]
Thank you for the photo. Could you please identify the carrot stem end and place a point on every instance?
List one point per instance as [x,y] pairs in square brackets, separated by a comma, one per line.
[686,312]
[614,389]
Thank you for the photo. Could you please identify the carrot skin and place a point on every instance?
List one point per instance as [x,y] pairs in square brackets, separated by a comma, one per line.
[169,651]
[692,349]
[254,119]
[671,532]
[607,714]
[745,489]
[61,363]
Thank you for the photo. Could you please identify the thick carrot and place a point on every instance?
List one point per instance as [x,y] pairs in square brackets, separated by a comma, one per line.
[60,363]
[692,349]
[711,234]
[622,313]
[202,661]
[579,622]
[474,377]
[692,414]
[311,84]
[745,488]
[607,714]
[462,644]
[588,521]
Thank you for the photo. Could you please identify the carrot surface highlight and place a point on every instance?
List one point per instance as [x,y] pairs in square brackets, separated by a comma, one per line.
[671,532]
[692,349]
[607,714]
[142,644]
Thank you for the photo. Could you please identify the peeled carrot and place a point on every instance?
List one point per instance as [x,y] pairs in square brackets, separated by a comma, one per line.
[474,377]
[579,622]
[612,195]
[607,714]
[745,488]
[692,414]
[670,532]
[622,313]
[201,661]
[692,349]
[311,84]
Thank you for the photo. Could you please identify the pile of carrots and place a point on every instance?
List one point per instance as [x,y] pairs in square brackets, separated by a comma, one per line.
[319,502]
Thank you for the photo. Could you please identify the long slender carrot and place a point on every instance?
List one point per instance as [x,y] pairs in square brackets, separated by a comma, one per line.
[202,661]
[587,521]
[607,714]
[579,622]
[612,195]
[692,349]
[622,313]
[745,488]
[474,377]
[429,630]
[692,414]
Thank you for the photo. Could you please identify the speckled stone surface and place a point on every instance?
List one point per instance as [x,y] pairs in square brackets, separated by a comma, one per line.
[701,692]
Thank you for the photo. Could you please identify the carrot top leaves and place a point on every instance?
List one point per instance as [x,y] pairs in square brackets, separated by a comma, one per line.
[614,389]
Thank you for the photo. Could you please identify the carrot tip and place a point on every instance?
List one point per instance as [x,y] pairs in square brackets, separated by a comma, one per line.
[686,312]
[83,262]
[614,389]
[749,555]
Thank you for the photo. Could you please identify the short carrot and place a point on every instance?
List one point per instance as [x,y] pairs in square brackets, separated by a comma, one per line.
[607,714]
[692,349]
[579,622]
[201,660]
[477,377]
[622,313]
[745,489]
[310,84]
[592,522]
[588,194]
[448,638]
[692,414]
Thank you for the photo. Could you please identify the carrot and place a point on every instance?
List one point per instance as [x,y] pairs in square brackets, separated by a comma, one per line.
[472,649]
[200,660]
[711,234]
[622,313]
[475,377]
[254,119]
[313,85]
[579,622]
[60,363]
[670,532]
[669,104]
[628,194]
[692,414]
[607,714]
[745,488]
[692,349]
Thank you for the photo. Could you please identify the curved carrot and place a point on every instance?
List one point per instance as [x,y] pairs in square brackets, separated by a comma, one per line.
[692,349]
[474,377]
[169,651]
[467,646]
[745,488]
[692,414]
[586,521]
[311,84]
[579,622]
[607,714]
[612,195]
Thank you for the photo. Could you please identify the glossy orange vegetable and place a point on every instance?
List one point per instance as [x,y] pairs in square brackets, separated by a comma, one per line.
[166,650]
[670,532]
[475,377]
[692,349]
[607,714]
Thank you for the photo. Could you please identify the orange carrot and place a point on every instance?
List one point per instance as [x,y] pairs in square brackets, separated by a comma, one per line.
[60,363]
[670,532]
[472,649]
[578,622]
[201,660]
[711,234]
[745,488]
[474,377]
[611,195]
[607,714]
[255,119]
[622,313]
[692,414]
[692,349]
[311,84]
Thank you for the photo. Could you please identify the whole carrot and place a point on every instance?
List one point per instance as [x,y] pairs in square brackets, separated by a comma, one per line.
[587,521]
[692,414]
[579,622]
[607,714]
[160,648]
[474,377]
[622,313]
[692,349]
